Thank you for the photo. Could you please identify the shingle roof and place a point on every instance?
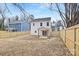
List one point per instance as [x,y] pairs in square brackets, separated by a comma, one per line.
[42,19]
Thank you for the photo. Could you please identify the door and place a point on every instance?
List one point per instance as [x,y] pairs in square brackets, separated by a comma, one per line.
[44,33]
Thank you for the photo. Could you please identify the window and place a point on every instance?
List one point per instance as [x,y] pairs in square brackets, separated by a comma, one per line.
[40,24]
[35,31]
[47,23]
[44,33]
[33,24]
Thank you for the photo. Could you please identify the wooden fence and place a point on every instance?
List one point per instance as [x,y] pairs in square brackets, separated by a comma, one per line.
[70,37]
[5,34]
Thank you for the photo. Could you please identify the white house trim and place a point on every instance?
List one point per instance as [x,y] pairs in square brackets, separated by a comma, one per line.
[38,26]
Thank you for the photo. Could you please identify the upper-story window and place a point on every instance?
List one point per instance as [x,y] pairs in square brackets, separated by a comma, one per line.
[33,24]
[41,24]
[47,23]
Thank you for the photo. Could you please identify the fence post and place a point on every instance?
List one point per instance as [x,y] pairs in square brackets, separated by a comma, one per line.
[74,41]
[65,36]
[59,35]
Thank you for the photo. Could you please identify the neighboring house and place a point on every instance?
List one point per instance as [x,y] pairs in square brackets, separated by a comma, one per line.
[41,27]
[57,26]
[53,26]
[17,25]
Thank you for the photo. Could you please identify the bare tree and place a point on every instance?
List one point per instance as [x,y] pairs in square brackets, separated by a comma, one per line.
[26,15]
[61,15]
[58,10]
[71,15]
[2,13]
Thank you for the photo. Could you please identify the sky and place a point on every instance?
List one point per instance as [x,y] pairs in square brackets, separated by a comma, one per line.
[36,9]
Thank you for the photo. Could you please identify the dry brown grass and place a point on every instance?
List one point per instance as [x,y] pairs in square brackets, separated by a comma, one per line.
[29,45]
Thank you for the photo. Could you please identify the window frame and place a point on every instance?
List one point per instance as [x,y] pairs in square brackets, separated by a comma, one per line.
[41,24]
[47,23]
[33,24]
[35,31]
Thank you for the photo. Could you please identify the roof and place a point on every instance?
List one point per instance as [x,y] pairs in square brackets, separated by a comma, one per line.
[14,22]
[42,19]
[43,28]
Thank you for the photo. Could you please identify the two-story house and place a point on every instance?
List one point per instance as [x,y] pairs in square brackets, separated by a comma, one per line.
[14,25]
[41,27]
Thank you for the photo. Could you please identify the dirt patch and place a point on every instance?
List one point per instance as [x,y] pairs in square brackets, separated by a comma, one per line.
[31,45]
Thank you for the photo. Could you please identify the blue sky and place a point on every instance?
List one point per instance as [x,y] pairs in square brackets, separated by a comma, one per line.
[36,9]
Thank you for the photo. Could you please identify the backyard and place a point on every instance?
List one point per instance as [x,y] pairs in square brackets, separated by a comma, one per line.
[27,45]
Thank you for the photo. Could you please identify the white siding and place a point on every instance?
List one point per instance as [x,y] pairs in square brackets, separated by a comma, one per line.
[37,26]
